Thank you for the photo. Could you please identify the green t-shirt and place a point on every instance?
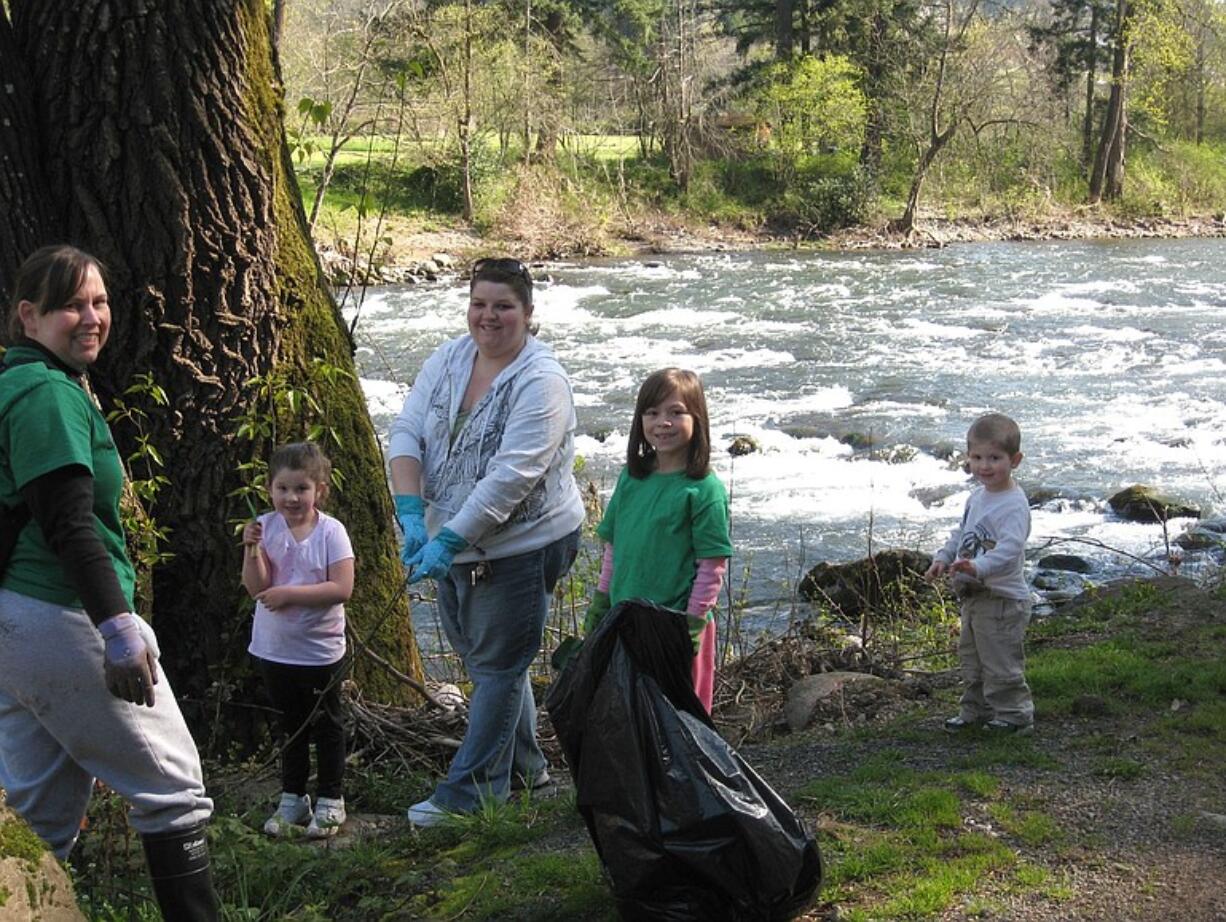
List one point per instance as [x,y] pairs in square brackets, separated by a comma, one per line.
[660,527]
[48,421]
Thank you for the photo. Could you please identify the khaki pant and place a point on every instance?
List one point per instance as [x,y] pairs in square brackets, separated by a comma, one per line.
[993,661]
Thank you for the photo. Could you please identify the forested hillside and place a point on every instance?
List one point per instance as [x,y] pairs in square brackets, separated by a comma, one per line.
[790,116]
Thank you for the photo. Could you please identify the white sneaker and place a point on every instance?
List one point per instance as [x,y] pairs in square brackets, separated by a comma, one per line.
[294,810]
[329,815]
[426,814]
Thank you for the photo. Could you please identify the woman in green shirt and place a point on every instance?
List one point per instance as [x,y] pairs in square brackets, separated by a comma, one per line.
[81,693]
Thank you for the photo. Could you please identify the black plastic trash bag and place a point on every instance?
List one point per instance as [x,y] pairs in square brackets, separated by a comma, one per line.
[686,830]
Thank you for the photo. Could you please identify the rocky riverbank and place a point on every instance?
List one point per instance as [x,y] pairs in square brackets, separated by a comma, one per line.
[416,254]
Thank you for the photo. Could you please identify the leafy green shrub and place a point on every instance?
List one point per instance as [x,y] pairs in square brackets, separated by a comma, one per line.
[827,203]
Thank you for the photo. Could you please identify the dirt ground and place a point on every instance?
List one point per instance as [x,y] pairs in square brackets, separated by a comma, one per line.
[1148,847]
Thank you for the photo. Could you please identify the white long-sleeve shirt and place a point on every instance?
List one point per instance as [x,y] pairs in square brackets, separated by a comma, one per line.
[993,533]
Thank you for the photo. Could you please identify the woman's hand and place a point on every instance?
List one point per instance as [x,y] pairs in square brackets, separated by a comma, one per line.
[411,514]
[434,560]
[936,571]
[129,664]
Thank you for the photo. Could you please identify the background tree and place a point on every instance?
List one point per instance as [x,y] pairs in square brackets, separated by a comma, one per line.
[1107,173]
[1075,34]
[159,132]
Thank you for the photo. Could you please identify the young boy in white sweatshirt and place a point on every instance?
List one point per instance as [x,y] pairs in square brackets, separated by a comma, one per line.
[983,561]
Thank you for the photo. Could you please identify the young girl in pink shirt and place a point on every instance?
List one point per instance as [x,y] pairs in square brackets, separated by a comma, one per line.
[298,567]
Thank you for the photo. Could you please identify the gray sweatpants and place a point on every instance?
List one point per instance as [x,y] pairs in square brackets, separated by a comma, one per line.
[990,651]
[60,728]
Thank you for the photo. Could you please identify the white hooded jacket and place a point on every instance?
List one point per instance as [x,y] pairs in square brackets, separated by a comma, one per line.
[507,484]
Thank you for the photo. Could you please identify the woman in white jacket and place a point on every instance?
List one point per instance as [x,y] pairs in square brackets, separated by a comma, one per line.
[482,460]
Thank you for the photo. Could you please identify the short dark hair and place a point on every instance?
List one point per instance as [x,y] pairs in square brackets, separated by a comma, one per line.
[640,456]
[505,271]
[301,456]
[48,279]
[996,429]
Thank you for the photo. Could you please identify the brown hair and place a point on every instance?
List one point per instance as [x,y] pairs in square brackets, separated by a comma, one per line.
[48,279]
[640,456]
[503,270]
[998,430]
[305,457]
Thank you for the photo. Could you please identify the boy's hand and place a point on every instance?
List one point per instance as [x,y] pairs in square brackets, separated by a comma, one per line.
[253,531]
[965,566]
[936,571]
[275,597]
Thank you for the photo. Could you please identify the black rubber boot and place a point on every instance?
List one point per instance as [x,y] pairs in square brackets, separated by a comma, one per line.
[179,870]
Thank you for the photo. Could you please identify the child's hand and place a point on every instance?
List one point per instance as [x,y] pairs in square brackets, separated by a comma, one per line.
[965,566]
[596,610]
[253,531]
[275,597]
[936,571]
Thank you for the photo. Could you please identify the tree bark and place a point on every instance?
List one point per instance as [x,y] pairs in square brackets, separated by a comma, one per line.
[784,34]
[164,153]
[1107,177]
[25,219]
[1087,126]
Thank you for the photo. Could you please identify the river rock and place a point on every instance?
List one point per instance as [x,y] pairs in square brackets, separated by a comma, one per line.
[1203,536]
[805,432]
[1140,503]
[1067,562]
[930,496]
[443,260]
[805,695]
[897,454]
[33,885]
[743,445]
[881,581]
[859,441]
[1060,585]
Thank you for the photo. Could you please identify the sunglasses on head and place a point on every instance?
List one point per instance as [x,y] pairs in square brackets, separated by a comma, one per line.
[503,264]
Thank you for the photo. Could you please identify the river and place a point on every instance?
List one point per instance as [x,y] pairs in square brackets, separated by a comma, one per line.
[1109,355]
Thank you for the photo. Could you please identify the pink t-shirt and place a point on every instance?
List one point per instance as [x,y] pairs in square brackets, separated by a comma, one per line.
[301,635]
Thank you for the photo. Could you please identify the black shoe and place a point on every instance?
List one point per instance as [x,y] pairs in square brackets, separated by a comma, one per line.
[959,723]
[1003,727]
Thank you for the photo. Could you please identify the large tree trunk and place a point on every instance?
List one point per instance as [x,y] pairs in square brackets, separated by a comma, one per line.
[163,150]
[25,221]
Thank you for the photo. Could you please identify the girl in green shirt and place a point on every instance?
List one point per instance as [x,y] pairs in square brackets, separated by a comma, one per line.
[666,526]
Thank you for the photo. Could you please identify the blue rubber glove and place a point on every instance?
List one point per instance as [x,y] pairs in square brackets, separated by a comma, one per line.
[411,514]
[434,560]
[129,664]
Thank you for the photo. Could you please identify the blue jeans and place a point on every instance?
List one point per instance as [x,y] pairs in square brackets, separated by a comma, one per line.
[494,615]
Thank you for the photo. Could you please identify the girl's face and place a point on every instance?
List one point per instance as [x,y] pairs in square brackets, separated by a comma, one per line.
[668,428]
[294,495]
[497,319]
[75,332]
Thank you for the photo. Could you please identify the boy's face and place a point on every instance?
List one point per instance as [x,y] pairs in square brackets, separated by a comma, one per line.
[992,465]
